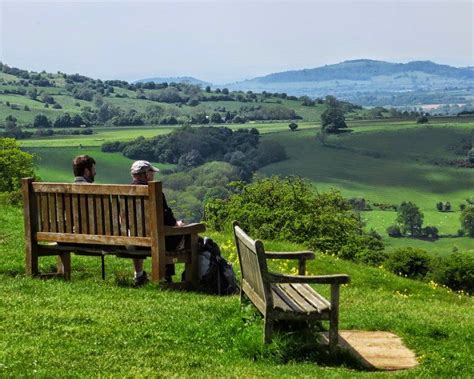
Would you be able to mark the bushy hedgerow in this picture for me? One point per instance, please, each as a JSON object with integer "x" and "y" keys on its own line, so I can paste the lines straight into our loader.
{"x": 410, "y": 262}
{"x": 456, "y": 272}
{"x": 288, "y": 209}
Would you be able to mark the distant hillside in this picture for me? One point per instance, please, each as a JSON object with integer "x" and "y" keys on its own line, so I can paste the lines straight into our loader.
{"x": 371, "y": 82}
{"x": 366, "y": 69}
{"x": 179, "y": 79}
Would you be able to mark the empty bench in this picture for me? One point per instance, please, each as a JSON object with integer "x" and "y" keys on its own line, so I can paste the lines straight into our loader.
{"x": 98, "y": 220}
{"x": 285, "y": 297}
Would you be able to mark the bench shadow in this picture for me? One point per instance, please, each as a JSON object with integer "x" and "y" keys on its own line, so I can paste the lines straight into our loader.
{"x": 302, "y": 342}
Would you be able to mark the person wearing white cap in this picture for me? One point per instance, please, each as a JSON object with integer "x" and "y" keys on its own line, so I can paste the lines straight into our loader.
{"x": 142, "y": 173}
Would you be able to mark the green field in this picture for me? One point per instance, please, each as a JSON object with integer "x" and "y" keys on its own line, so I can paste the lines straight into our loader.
{"x": 399, "y": 162}
{"x": 88, "y": 327}
{"x": 383, "y": 162}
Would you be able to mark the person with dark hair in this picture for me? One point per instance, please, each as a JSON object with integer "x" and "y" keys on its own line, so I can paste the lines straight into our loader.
{"x": 84, "y": 169}
{"x": 143, "y": 172}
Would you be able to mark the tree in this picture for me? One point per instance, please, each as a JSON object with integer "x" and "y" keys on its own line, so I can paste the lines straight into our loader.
{"x": 41, "y": 121}
{"x": 439, "y": 206}
{"x": 422, "y": 119}
{"x": 410, "y": 218}
{"x": 467, "y": 220}
{"x": 216, "y": 118}
{"x": 332, "y": 119}
{"x": 225, "y": 91}
{"x": 208, "y": 89}
{"x": 293, "y": 126}
{"x": 470, "y": 155}
{"x": 14, "y": 165}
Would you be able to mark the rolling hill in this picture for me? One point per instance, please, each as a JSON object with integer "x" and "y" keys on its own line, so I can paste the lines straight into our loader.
{"x": 371, "y": 82}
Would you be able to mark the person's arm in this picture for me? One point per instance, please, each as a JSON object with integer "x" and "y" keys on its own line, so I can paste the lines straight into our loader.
{"x": 169, "y": 219}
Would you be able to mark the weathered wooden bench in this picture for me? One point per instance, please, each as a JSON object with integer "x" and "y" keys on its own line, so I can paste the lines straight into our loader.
{"x": 285, "y": 297}
{"x": 98, "y": 220}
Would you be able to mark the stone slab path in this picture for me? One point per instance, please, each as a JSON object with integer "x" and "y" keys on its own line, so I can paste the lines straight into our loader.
{"x": 378, "y": 350}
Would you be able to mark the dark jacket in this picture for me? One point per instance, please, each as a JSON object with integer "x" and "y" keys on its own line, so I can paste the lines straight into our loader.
{"x": 171, "y": 242}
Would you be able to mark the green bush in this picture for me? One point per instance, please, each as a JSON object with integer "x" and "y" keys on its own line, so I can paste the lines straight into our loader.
{"x": 410, "y": 262}
{"x": 371, "y": 257}
{"x": 289, "y": 210}
{"x": 456, "y": 271}
{"x": 14, "y": 165}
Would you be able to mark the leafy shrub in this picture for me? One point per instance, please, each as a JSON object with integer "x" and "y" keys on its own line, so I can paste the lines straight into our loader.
{"x": 456, "y": 271}
{"x": 371, "y": 257}
{"x": 288, "y": 210}
{"x": 14, "y": 165}
{"x": 410, "y": 262}
{"x": 394, "y": 231}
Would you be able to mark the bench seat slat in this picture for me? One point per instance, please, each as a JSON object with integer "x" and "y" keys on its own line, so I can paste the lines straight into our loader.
{"x": 312, "y": 296}
{"x": 93, "y": 239}
{"x": 298, "y": 298}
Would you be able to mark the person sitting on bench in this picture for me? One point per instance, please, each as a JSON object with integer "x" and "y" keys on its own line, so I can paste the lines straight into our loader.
{"x": 143, "y": 172}
{"x": 84, "y": 169}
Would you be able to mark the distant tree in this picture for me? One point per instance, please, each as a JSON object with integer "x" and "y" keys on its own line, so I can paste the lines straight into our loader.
{"x": 422, "y": 119}
{"x": 467, "y": 220}
{"x": 430, "y": 232}
{"x": 332, "y": 119}
{"x": 26, "y": 108}
{"x": 47, "y": 99}
{"x": 216, "y": 118}
{"x": 208, "y": 89}
{"x": 33, "y": 93}
{"x": 439, "y": 206}
{"x": 462, "y": 206}
{"x": 447, "y": 206}
{"x": 394, "y": 231}
{"x": 410, "y": 218}
{"x": 225, "y": 91}
{"x": 470, "y": 155}
{"x": 293, "y": 126}
{"x": 41, "y": 121}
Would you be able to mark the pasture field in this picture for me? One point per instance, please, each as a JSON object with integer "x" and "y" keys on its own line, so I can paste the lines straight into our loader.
{"x": 89, "y": 327}
{"x": 382, "y": 161}
{"x": 402, "y": 161}
{"x": 108, "y": 134}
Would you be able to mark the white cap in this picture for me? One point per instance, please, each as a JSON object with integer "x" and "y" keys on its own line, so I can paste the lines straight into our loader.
{"x": 139, "y": 167}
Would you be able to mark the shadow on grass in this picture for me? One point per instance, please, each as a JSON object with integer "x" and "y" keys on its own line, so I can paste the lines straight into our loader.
{"x": 295, "y": 342}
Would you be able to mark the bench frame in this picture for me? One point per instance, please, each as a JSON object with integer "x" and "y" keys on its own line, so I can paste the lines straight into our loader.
{"x": 259, "y": 284}
{"x": 98, "y": 220}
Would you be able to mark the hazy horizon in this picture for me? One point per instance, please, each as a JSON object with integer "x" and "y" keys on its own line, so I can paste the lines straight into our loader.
{"x": 228, "y": 41}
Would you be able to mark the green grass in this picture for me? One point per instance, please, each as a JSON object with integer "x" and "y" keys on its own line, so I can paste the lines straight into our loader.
{"x": 89, "y": 327}
{"x": 378, "y": 165}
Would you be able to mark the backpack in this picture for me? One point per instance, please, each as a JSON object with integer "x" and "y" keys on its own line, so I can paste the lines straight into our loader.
{"x": 216, "y": 275}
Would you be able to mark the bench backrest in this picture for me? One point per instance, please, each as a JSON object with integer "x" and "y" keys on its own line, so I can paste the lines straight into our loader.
{"x": 254, "y": 270}
{"x": 93, "y": 213}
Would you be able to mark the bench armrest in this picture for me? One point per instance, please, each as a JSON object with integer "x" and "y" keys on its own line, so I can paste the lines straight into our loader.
{"x": 289, "y": 255}
{"x": 316, "y": 279}
{"x": 183, "y": 230}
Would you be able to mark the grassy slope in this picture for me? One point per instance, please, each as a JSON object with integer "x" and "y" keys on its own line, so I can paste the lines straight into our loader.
{"x": 403, "y": 171}
{"x": 89, "y": 327}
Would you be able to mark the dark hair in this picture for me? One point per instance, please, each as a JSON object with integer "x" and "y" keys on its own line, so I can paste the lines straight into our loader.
{"x": 80, "y": 163}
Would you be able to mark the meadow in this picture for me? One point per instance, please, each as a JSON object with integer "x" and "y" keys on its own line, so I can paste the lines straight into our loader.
{"x": 382, "y": 161}
{"x": 89, "y": 327}
{"x": 388, "y": 163}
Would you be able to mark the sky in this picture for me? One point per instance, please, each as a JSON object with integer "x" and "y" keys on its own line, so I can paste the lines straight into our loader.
{"x": 227, "y": 41}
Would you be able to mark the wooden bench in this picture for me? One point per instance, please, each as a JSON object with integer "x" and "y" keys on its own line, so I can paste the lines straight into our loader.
{"x": 98, "y": 220}
{"x": 285, "y": 297}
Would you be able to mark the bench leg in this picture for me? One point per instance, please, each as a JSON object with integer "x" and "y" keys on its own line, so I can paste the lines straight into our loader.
{"x": 64, "y": 265}
{"x": 334, "y": 320}
{"x": 267, "y": 330}
{"x": 31, "y": 258}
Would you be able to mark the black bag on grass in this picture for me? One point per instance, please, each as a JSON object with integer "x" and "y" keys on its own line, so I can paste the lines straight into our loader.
{"x": 216, "y": 275}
